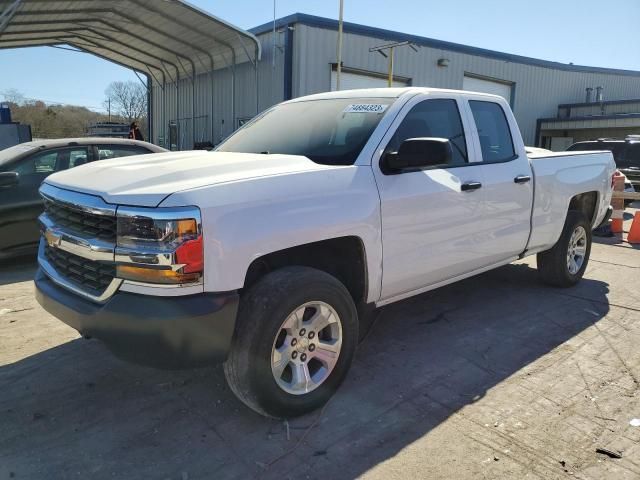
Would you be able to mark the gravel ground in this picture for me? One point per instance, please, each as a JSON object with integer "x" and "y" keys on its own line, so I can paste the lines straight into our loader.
{"x": 494, "y": 377}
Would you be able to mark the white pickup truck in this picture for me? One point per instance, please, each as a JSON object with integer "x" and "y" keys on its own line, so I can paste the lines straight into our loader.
{"x": 269, "y": 253}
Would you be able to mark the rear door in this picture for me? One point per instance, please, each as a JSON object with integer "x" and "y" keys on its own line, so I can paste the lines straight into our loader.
{"x": 508, "y": 180}
{"x": 430, "y": 226}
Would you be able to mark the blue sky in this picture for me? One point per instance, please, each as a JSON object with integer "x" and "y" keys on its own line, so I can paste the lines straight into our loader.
{"x": 585, "y": 32}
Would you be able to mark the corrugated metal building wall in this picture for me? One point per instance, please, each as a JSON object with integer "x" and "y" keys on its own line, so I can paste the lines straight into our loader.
{"x": 216, "y": 116}
{"x": 305, "y": 50}
{"x": 537, "y": 90}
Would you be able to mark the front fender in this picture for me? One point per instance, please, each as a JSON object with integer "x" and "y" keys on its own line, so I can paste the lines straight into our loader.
{"x": 245, "y": 220}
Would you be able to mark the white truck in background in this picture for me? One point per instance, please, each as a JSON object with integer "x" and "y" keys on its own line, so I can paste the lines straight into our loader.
{"x": 268, "y": 253}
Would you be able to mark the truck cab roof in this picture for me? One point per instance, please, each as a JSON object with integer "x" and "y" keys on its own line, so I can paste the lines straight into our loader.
{"x": 396, "y": 92}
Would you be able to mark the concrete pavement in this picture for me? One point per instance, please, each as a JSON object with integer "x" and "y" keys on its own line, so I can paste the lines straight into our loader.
{"x": 494, "y": 377}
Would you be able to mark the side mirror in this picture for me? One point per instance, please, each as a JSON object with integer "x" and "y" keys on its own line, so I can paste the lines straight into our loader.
{"x": 9, "y": 179}
{"x": 416, "y": 153}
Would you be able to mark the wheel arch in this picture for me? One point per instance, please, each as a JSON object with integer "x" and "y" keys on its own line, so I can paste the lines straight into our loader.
{"x": 343, "y": 257}
{"x": 586, "y": 203}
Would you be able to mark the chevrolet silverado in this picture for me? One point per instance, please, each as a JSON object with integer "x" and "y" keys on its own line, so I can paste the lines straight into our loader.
{"x": 269, "y": 253}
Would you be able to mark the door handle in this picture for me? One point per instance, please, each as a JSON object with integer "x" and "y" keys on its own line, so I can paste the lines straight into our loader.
{"x": 522, "y": 179}
{"x": 470, "y": 186}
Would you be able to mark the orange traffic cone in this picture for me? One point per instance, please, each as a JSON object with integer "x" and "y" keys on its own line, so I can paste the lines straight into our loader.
{"x": 634, "y": 233}
{"x": 616, "y": 225}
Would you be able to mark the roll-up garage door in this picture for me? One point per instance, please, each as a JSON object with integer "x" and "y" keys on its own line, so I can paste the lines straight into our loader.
{"x": 350, "y": 81}
{"x": 475, "y": 84}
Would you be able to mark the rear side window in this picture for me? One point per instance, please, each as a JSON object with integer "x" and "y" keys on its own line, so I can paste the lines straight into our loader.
{"x": 115, "y": 151}
{"x": 495, "y": 136}
{"x": 437, "y": 118}
{"x": 78, "y": 157}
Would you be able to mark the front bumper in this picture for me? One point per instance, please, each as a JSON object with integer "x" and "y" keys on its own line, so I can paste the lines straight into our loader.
{"x": 162, "y": 332}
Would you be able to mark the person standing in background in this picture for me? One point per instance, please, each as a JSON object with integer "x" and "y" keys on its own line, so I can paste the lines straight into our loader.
{"x": 134, "y": 132}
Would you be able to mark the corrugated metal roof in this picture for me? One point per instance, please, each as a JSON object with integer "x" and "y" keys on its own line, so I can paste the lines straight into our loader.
{"x": 156, "y": 37}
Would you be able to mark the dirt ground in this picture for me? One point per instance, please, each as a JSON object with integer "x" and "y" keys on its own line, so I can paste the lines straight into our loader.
{"x": 496, "y": 377}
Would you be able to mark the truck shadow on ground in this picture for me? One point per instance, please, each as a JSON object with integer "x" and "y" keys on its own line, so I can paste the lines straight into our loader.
{"x": 75, "y": 410}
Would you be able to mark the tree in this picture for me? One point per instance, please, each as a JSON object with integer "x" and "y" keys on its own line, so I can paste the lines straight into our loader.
{"x": 128, "y": 99}
{"x": 14, "y": 96}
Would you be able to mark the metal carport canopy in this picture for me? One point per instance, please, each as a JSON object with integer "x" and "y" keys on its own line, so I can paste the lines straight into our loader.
{"x": 164, "y": 39}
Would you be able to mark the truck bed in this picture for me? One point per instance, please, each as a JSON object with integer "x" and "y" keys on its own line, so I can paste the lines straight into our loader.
{"x": 558, "y": 175}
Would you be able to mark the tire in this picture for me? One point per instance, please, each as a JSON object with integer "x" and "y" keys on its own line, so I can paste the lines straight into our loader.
{"x": 554, "y": 264}
{"x": 266, "y": 326}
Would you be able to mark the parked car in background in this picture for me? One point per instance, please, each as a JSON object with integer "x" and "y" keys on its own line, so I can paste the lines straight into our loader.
{"x": 626, "y": 154}
{"x": 23, "y": 167}
{"x": 268, "y": 252}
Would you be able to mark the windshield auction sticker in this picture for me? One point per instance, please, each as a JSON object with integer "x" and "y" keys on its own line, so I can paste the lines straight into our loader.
{"x": 365, "y": 108}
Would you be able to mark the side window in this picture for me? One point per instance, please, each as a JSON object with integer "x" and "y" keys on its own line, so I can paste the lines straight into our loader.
{"x": 45, "y": 162}
{"x": 77, "y": 157}
{"x": 115, "y": 151}
{"x": 439, "y": 118}
{"x": 495, "y": 137}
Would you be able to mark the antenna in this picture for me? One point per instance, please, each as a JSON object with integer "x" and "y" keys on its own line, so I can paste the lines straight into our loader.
{"x": 339, "y": 55}
{"x": 391, "y": 48}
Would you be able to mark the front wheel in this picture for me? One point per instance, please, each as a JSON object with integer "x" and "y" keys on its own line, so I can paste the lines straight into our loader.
{"x": 295, "y": 338}
{"x": 565, "y": 263}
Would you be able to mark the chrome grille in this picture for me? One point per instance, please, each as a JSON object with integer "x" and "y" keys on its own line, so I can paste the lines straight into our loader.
{"x": 78, "y": 243}
{"x": 87, "y": 274}
{"x": 81, "y": 222}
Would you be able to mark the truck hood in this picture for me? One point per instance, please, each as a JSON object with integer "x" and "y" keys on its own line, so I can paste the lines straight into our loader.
{"x": 146, "y": 180}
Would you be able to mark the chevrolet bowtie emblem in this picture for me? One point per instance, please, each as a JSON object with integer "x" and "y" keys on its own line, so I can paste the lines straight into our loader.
{"x": 52, "y": 237}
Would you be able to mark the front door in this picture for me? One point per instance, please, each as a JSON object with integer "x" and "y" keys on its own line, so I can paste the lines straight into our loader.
{"x": 20, "y": 205}
{"x": 431, "y": 219}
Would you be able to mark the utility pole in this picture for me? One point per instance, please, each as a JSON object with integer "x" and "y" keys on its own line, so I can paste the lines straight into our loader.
{"x": 339, "y": 55}
{"x": 390, "y": 47}
{"x": 273, "y": 38}
{"x": 109, "y": 108}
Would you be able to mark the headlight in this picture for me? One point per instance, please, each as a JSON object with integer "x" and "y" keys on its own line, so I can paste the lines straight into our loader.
{"x": 151, "y": 233}
{"x": 159, "y": 245}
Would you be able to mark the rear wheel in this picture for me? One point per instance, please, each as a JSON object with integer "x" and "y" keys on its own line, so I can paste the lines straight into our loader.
{"x": 295, "y": 338}
{"x": 565, "y": 263}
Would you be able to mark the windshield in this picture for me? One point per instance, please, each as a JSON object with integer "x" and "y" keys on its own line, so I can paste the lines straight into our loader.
{"x": 331, "y": 132}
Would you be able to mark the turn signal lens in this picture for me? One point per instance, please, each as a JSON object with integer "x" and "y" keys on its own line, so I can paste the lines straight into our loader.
{"x": 152, "y": 275}
{"x": 186, "y": 227}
